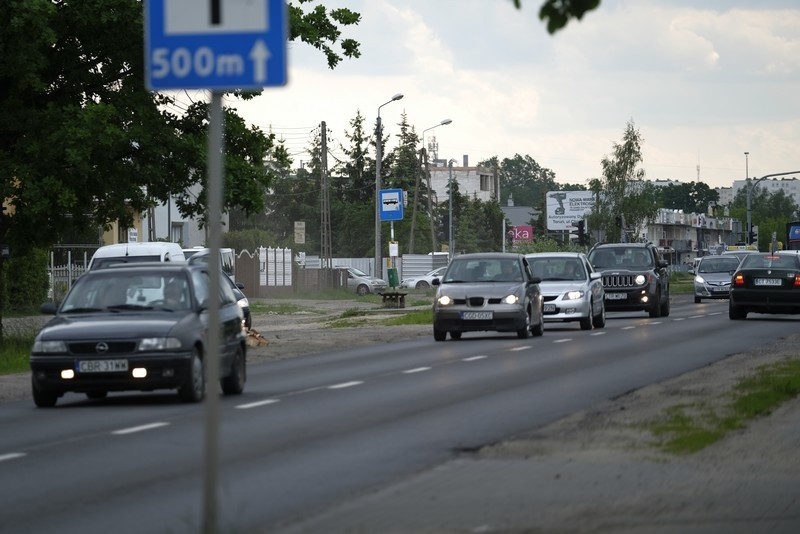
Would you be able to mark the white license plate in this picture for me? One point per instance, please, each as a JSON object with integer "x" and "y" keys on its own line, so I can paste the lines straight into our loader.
{"x": 102, "y": 366}
{"x": 616, "y": 296}
{"x": 719, "y": 289}
{"x": 767, "y": 281}
{"x": 477, "y": 316}
{"x": 549, "y": 308}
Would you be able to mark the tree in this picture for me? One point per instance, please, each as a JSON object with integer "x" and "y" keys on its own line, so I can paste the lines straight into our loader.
{"x": 692, "y": 197}
{"x": 83, "y": 143}
{"x": 557, "y": 13}
{"x": 622, "y": 193}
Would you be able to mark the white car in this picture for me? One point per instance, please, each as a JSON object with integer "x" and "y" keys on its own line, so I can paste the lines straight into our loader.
{"x": 362, "y": 283}
{"x": 572, "y": 289}
{"x": 423, "y": 281}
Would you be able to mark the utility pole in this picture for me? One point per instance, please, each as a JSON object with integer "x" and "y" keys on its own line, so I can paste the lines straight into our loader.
{"x": 326, "y": 254}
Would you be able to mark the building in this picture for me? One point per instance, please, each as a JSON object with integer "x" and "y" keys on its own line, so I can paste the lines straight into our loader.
{"x": 475, "y": 182}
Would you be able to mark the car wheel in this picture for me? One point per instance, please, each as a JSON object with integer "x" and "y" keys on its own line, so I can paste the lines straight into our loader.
{"x": 233, "y": 384}
{"x": 736, "y": 313}
{"x": 599, "y": 320}
{"x": 655, "y": 310}
{"x": 697, "y": 299}
{"x": 586, "y": 322}
{"x": 455, "y": 335}
{"x": 194, "y": 384}
{"x": 538, "y": 329}
{"x": 525, "y": 331}
{"x": 422, "y": 284}
{"x": 362, "y": 290}
{"x": 43, "y": 398}
{"x": 97, "y": 394}
{"x": 665, "y": 307}
{"x": 439, "y": 335}
{"x": 248, "y": 321}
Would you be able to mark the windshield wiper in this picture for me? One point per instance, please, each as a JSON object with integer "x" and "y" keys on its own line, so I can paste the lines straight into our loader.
{"x": 117, "y": 307}
{"x": 82, "y": 310}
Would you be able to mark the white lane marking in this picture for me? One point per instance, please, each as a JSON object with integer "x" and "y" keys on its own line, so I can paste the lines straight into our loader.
{"x": 627, "y": 328}
{"x": 256, "y": 404}
{"x": 11, "y": 456}
{"x": 417, "y": 370}
{"x": 598, "y": 333}
{"x": 141, "y": 428}
{"x": 655, "y": 322}
{"x": 562, "y": 340}
{"x": 696, "y": 316}
{"x": 715, "y": 313}
{"x": 345, "y": 385}
{"x": 679, "y": 318}
{"x": 474, "y": 358}
{"x": 520, "y": 348}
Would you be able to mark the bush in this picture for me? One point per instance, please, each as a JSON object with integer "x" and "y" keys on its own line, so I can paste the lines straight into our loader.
{"x": 25, "y": 281}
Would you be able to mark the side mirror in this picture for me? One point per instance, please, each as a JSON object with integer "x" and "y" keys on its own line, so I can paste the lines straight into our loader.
{"x": 49, "y": 308}
{"x": 594, "y": 275}
{"x": 535, "y": 280}
{"x": 436, "y": 282}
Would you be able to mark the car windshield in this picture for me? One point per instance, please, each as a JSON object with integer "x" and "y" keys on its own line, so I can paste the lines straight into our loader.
{"x": 632, "y": 258}
{"x": 769, "y": 261}
{"x": 718, "y": 265}
{"x": 357, "y": 272}
{"x": 114, "y": 291}
{"x": 555, "y": 269}
{"x": 483, "y": 270}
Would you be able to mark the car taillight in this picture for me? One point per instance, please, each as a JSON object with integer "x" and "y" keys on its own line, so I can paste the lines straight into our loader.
{"x": 797, "y": 280}
{"x": 738, "y": 280}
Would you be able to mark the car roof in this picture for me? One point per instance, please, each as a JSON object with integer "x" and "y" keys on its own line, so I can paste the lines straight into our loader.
{"x": 555, "y": 255}
{"x": 488, "y": 256}
{"x": 628, "y": 245}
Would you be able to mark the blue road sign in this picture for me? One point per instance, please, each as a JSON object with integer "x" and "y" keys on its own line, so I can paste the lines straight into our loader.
{"x": 391, "y": 204}
{"x": 215, "y": 44}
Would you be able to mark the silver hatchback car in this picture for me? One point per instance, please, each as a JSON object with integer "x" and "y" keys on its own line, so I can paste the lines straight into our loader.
{"x": 712, "y": 277}
{"x": 571, "y": 288}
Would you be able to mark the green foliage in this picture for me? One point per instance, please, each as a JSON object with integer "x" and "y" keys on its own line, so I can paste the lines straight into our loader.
{"x": 250, "y": 239}
{"x": 547, "y": 244}
{"x": 557, "y": 13}
{"x": 15, "y": 354}
{"x": 25, "y": 281}
{"x": 692, "y": 197}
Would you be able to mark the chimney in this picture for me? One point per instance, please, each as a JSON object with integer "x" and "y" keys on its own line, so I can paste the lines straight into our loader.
{"x": 466, "y": 160}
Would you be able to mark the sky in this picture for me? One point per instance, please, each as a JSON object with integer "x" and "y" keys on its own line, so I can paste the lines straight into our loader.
{"x": 702, "y": 83}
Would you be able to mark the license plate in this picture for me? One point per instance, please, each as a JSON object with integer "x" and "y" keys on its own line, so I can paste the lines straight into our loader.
{"x": 616, "y": 296}
{"x": 767, "y": 281}
{"x": 549, "y": 308}
{"x": 720, "y": 288}
{"x": 102, "y": 366}
{"x": 477, "y": 316}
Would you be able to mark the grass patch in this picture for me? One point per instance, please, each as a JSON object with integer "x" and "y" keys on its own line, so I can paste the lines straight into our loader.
{"x": 279, "y": 308}
{"x": 411, "y": 318}
{"x": 681, "y": 284}
{"x": 15, "y": 354}
{"x": 688, "y": 428}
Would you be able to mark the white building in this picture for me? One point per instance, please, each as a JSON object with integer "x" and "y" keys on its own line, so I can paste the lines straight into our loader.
{"x": 475, "y": 182}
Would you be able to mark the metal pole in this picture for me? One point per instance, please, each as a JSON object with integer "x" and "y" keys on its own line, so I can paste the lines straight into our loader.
{"x": 378, "y": 157}
{"x": 451, "y": 242}
{"x": 747, "y": 184}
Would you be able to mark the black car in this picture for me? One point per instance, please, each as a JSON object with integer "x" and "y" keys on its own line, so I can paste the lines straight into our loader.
{"x": 634, "y": 277}
{"x": 765, "y": 283}
{"x": 137, "y": 327}
{"x": 487, "y": 292}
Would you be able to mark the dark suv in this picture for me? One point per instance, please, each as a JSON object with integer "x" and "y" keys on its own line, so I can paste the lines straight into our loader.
{"x": 634, "y": 277}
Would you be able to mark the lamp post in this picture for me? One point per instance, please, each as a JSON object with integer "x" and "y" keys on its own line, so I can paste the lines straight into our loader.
{"x": 378, "y": 157}
{"x": 416, "y": 190}
{"x": 749, "y": 193}
{"x": 452, "y": 242}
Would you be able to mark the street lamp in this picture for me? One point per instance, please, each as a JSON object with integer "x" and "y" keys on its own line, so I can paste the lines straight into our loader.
{"x": 378, "y": 157}
{"x": 445, "y": 122}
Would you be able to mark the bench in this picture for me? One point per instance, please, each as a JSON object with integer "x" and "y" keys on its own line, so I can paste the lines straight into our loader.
{"x": 393, "y": 299}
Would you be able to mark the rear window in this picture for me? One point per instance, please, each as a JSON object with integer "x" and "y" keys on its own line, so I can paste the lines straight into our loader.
{"x": 768, "y": 261}
{"x": 102, "y": 263}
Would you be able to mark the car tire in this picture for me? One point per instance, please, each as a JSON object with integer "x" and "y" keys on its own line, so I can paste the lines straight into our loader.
{"x": 736, "y": 313}
{"x": 43, "y": 398}
{"x": 233, "y": 384}
{"x": 362, "y": 290}
{"x": 439, "y": 335}
{"x": 599, "y": 320}
{"x": 525, "y": 331}
{"x": 422, "y": 284}
{"x": 665, "y": 307}
{"x": 194, "y": 385}
{"x": 697, "y": 300}
{"x": 586, "y": 322}
{"x": 455, "y": 335}
{"x": 538, "y": 329}
{"x": 96, "y": 394}
{"x": 655, "y": 310}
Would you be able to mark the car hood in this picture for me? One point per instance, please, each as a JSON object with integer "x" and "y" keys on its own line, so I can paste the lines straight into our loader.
{"x": 109, "y": 326}
{"x": 716, "y": 277}
{"x": 488, "y": 289}
{"x": 560, "y": 287}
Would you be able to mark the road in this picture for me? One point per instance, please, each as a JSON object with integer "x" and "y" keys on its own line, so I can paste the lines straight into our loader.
{"x": 314, "y": 431}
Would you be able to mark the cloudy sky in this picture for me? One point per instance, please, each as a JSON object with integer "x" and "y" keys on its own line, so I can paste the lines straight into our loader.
{"x": 703, "y": 85}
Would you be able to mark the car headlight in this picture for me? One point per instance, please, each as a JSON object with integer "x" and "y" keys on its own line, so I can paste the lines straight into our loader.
{"x": 444, "y": 300}
{"x": 49, "y": 347}
{"x": 699, "y": 279}
{"x": 640, "y": 279}
{"x": 243, "y": 302}
{"x": 159, "y": 343}
{"x": 574, "y": 295}
{"x": 511, "y": 299}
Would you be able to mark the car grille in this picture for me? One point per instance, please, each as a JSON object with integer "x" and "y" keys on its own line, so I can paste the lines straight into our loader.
{"x": 476, "y": 301}
{"x": 619, "y": 280}
{"x": 114, "y": 347}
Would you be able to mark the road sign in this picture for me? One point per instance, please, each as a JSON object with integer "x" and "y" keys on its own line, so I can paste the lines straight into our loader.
{"x": 391, "y": 204}
{"x": 215, "y": 44}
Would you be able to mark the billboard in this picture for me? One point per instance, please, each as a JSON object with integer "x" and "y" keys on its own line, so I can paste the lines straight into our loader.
{"x": 566, "y": 207}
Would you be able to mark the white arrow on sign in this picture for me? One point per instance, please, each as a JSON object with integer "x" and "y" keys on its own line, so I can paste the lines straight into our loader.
{"x": 259, "y": 54}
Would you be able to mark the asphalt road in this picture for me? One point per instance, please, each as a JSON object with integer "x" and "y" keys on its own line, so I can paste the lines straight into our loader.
{"x": 316, "y": 431}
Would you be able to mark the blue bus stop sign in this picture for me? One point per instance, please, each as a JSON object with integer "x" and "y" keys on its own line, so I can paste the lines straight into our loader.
{"x": 391, "y": 204}
{"x": 220, "y": 45}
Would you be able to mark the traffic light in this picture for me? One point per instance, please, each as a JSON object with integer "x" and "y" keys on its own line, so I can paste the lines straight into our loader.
{"x": 583, "y": 237}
